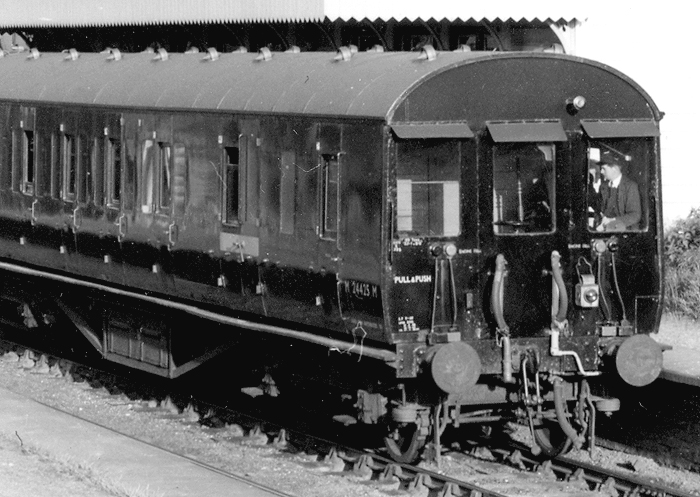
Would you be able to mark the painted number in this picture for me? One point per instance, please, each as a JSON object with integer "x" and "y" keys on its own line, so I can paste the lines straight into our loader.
{"x": 406, "y": 323}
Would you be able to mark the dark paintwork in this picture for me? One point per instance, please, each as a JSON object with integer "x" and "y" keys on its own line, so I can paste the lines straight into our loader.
{"x": 309, "y": 105}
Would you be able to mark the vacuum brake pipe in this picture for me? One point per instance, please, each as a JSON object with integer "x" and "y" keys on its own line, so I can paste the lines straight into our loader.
{"x": 560, "y": 410}
{"x": 560, "y": 305}
{"x": 497, "y": 308}
{"x": 340, "y": 345}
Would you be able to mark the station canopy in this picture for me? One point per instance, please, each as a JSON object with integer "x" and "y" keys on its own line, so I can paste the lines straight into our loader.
{"x": 81, "y": 13}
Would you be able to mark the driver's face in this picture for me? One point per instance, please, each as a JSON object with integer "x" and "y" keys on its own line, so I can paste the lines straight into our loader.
{"x": 607, "y": 172}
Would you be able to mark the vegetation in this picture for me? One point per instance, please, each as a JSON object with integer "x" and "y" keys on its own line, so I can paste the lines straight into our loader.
{"x": 682, "y": 259}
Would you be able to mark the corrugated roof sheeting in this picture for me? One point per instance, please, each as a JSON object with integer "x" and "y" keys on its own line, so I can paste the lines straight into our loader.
{"x": 453, "y": 10}
{"x": 64, "y": 13}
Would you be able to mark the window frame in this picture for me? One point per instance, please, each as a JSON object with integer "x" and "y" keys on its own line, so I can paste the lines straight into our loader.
{"x": 550, "y": 190}
{"x": 114, "y": 169}
{"x": 165, "y": 171}
{"x": 56, "y": 167}
{"x": 28, "y": 162}
{"x": 405, "y": 188}
{"x": 70, "y": 158}
{"x": 329, "y": 208}
{"x": 231, "y": 211}
{"x": 84, "y": 176}
{"x": 645, "y": 169}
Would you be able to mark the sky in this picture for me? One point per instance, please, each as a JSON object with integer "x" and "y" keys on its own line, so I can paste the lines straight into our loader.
{"x": 650, "y": 43}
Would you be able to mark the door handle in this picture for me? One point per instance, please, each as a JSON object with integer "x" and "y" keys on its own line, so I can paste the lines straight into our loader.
{"x": 77, "y": 218}
{"x": 172, "y": 234}
{"x": 33, "y": 210}
{"x": 121, "y": 226}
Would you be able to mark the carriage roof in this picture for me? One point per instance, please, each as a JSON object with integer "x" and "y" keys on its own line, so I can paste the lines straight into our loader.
{"x": 368, "y": 85}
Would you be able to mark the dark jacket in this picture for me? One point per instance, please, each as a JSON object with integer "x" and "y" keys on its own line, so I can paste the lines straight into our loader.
{"x": 627, "y": 208}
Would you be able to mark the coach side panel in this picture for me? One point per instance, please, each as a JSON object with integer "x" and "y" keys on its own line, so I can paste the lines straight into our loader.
{"x": 260, "y": 215}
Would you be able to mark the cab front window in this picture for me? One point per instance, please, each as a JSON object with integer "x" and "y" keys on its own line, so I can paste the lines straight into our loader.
{"x": 617, "y": 178}
{"x": 427, "y": 188}
{"x": 523, "y": 188}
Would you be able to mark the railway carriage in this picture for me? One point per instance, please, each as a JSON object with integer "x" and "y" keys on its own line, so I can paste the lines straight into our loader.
{"x": 428, "y": 214}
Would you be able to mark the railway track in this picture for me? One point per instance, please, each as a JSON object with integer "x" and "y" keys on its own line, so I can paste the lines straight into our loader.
{"x": 496, "y": 471}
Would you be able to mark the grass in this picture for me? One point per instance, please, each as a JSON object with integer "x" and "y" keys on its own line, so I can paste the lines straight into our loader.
{"x": 682, "y": 262}
{"x": 682, "y": 285}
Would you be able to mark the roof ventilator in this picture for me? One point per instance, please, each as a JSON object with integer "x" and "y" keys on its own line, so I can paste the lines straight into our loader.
{"x": 293, "y": 49}
{"x": 71, "y": 54}
{"x": 192, "y": 50}
{"x": 34, "y": 54}
{"x": 161, "y": 54}
{"x": 376, "y": 48}
{"x": 240, "y": 49}
{"x": 346, "y": 53}
{"x": 114, "y": 54}
{"x": 463, "y": 48}
{"x": 212, "y": 54}
{"x": 264, "y": 54}
{"x": 427, "y": 53}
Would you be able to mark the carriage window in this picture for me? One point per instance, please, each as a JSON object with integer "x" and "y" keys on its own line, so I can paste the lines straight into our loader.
{"x": 166, "y": 175}
{"x": 15, "y": 151}
{"x": 28, "y": 163}
{"x": 523, "y": 188}
{"x": 427, "y": 189}
{"x": 232, "y": 184}
{"x": 114, "y": 171}
{"x": 70, "y": 166}
{"x": 330, "y": 169}
{"x": 617, "y": 178}
{"x": 84, "y": 171}
{"x": 147, "y": 176}
{"x": 56, "y": 167}
{"x": 96, "y": 184}
{"x": 6, "y": 160}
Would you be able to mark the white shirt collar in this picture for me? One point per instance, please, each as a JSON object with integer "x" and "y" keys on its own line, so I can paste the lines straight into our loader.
{"x": 616, "y": 182}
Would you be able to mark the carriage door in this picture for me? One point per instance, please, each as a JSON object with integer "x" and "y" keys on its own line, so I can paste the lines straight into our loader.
{"x": 526, "y": 220}
{"x": 240, "y": 213}
{"x": 360, "y": 235}
{"x": 25, "y": 163}
{"x": 160, "y": 191}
